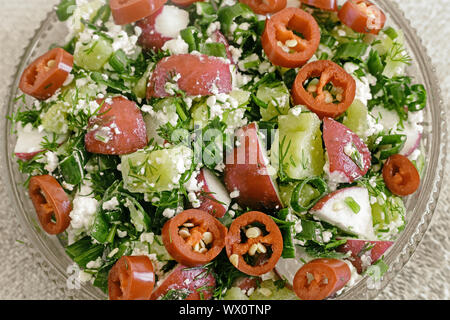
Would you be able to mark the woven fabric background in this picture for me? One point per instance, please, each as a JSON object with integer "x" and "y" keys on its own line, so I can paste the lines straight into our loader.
{"x": 426, "y": 275}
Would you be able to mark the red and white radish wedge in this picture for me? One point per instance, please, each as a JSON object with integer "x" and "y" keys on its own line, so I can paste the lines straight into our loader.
{"x": 348, "y": 156}
{"x": 191, "y": 284}
{"x": 195, "y": 74}
{"x": 413, "y": 138}
{"x": 348, "y": 209}
{"x": 162, "y": 26}
{"x": 218, "y": 37}
{"x": 118, "y": 129}
{"x": 247, "y": 174}
{"x": 287, "y": 268}
{"x": 29, "y": 141}
{"x": 364, "y": 253}
{"x": 213, "y": 197}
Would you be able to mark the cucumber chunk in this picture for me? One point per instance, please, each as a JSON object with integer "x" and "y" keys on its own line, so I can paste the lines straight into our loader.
{"x": 140, "y": 88}
{"x": 235, "y": 293}
{"x": 93, "y": 55}
{"x": 276, "y": 97}
{"x": 297, "y": 148}
{"x": 55, "y": 119}
{"x": 157, "y": 247}
{"x": 155, "y": 171}
{"x": 356, "y": 118}
{"x": 388, "y": 215}
{"x": 269, "y": 291}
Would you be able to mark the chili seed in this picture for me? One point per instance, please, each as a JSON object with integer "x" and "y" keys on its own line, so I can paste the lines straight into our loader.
{"x": 234, "y": 259}
{"x": 207, "y": 237}
{"x": 184, "y": 233}
{"x": 253, "y": 232}
{"x": 253, "y": 249}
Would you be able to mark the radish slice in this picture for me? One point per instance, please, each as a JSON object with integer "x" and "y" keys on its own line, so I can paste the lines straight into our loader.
{"x": 247, "y": 175}
{"x": 29, "y": 141}
{"x": 348, "y": 209}
{"x": 213, "y": 198}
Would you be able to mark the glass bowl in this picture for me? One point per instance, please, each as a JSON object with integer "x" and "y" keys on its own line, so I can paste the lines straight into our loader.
{"x": 420, "y": 206}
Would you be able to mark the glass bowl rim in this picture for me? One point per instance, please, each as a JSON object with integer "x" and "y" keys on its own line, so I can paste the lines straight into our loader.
{"x": 360, "y": 290}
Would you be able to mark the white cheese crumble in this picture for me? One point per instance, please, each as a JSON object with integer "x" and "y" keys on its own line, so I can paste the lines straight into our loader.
{"x": 171, "y": 21}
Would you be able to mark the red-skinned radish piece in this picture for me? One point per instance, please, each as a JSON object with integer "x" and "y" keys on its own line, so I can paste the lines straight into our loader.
{"x": 29, "y": 141}
{"x": 118, "y": 129}
{"x": 364, "y": 253}
{"x": 348, "y": 156}
{"x": 162, "y": 26}
{"x": 413, "y": 139}
{"x": 195, "y": 74}
{"x": 213, "y": 196}
{"x": 218, "y": 37}
{"x": 150, "y": 38}
{"x": 348, "y": 209}
{"x": 247, "y": 173}
{"x": 186, "y": 284}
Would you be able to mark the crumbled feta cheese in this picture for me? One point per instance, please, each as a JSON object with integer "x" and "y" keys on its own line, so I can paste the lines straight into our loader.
{"x": 171, "y": 21}
{"x": 110, "y": 205}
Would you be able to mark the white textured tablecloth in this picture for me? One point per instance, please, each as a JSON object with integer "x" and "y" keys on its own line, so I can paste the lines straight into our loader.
{"x": 426, "y": 275}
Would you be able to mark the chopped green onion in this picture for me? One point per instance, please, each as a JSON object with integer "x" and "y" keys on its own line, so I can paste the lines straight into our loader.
{"x": 391, "y": 33}
{"x": 374, "y": 63}
{"x": 307, "y": 193}
{"x": 214, "y": 49}
{"x": 352, "y": 204}
{"x": 65, "y": 9}
{"x": 351, "y": 50}
{"x": 119, "y": 61}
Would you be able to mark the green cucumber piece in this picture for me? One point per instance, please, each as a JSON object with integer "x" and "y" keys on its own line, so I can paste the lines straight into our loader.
{"x": 356, "y": 118}
{"x": 269, "y": 291}
{"x": 276, "y": 99}
{"x": 93, "y": 56}
{"x": 155, "y": 171}
{"x": 235, "y": 293}
{"x": 297, "y": 150}
{"x": 55, "y": 119}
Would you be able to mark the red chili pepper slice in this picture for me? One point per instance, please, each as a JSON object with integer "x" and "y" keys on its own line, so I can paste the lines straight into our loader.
{"x": 362, "y": 16}
{"x": 330, "y": 5}
{"x": 321, "y": 278}
{"x": 400, "y": 175}
{"x": 51, "y": 203}
{"x": 285, "y": 48}
{"x": 128, "y": 11}
{"x": 194, "y": 237}
{"x": 46, "y": 74}
{"x": 265, "y": 6}
{"x": 317, "y": 99}
{"x": 131, "y": 278}
{"x": 254, "y": 237}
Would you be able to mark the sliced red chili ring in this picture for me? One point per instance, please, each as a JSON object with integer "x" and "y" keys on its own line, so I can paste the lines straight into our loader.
{"x": 51, "y": 203}
{"x": 46, "y": 74}
{"x": 400, "y": 175}
{"x": 323, "y": 103}
{"x": 265, "y": 6}
{"x": 362, "y": 16}
{"x": 131, "y": 278}
{"x": 281, "y": 40}
{"x": 254, "y": 236}
{"x": 194, "y": 237}
{"x": 321, "y": 278}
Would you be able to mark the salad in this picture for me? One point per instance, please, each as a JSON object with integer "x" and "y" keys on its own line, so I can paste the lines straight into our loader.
{"x": 222, "y": 149}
